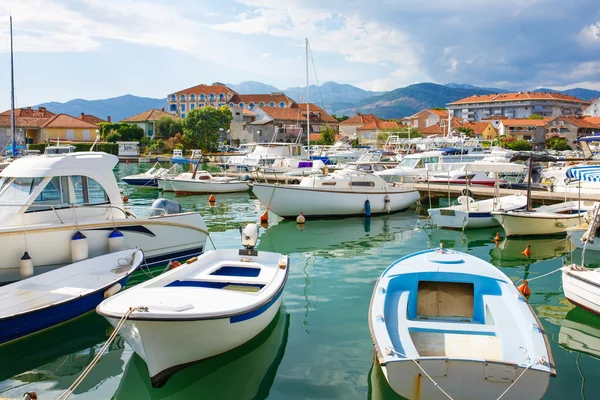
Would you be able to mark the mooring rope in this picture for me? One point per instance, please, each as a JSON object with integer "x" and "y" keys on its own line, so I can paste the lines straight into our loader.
{"x": 67, "y": 393}
{"x": 538, "y": 361}
{"x": 541, "y": 276}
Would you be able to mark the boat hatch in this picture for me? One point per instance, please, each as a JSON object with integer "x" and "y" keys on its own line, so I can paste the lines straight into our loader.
{"x": 236, "y": 271}
{"x": 443, "y": 300}
{"x": 236, "y": 286}
{"x": 448, "y": 213}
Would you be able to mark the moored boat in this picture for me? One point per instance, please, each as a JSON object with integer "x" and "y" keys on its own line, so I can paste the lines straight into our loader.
{"x": 448, "y": 325}
{"x": 201, "y": 309}
{"x": 43, "y": 301}
{"x": 148, "y": 179}
{"x": 341, "y": 193}
{"x": 200, "y": 182}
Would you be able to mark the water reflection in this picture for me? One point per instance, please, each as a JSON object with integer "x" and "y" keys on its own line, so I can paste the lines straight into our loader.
{"x": 346, "y": 238}
{"x": 379, "y": 388}
{"x": 469, "y": 239}
{"x": 509, "y": 252}
{"x": 57, "y": 356}
{"x": 580, "y": 331}
{"x": 246, "y": 372}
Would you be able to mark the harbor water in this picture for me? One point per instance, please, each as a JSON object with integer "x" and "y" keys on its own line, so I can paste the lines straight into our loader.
{"x": 319, "y": 346}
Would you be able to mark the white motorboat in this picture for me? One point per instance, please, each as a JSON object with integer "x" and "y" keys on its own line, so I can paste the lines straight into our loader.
{"x": 43, "y": 301}
{"x": 477, "y": 214}
{"x": 545, "y": 220}
{"x": 457, "y": 174}
{"x": 341, "y": 193}
{"x": 204, "y": 308}
{"x": 293, "y": 167}
{"x": 204, "y": 182}
{"x": 265, "y": 155}
{"x": 583, "y": 178}
{"x": 449, "y": 325}
{"x": 148, "y": 179}
{"x": 47, "y": 201}
{"x": 413, "y": 167}
{"x": 163, "y": 180}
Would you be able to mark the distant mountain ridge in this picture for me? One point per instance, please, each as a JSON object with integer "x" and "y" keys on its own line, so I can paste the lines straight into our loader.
{"x": 336, "y": 98}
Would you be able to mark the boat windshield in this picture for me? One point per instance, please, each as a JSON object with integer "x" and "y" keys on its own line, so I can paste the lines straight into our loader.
{"x": 16, "y": 191}
{"x": 409, "y": 162}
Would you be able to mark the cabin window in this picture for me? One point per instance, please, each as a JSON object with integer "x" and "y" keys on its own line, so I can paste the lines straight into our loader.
{"x": 16, "y": 191}
{"x": 364, "y": 184}
{"x": 88, "y": 191}
{"x": 445, "y": 300}
{"x": 56, "y": 193}
{"x": 328, "y": 183}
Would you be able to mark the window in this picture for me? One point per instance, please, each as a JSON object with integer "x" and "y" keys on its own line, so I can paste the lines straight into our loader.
{"x": 182, "y": 115}
{"x": 96, "y": 193}
{"x": 191, "y": 106}
{"x": 55, "y": 194}
{"x": 221, "y": 104}
{"x": 173, "y": 107}
{"x": 211, "y": 97}
{"x": 173, "y": 98}
{"x": 241, "y": 105}
{"x": 282, "y": 104}
{"x": 182, "y": 97}
{"x": 221, "y": 96}
{"x": 201, "y": 105}
{"x": 364, "y": 184}
{"x": 271, "y": 104}
{"x": 328, "y": 183}
{"x": 250, "y": 106}
{"x": 86, "y": 134}
{"x": 202, "y": 96}
{"x": 262, "y": 104}
{"x": 70, "y": 134}
{"x": 16, "y": 191}
{"x": 230, "y": 104}
{"x": 192, "y": 97}
{"x": 183, "y": 107}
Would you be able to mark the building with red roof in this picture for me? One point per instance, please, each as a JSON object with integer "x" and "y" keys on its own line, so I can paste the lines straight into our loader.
{"x": 516, "y": 105}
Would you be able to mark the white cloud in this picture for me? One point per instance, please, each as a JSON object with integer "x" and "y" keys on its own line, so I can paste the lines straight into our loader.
{"x": 590, "y": 35}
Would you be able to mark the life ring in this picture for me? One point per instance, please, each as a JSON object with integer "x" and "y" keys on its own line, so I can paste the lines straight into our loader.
{"x": 466, "y": 192}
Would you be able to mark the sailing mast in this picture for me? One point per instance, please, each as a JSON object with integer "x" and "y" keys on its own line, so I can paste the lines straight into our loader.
{"x": 12, "y": 96}
{"x": 307, "y": 102}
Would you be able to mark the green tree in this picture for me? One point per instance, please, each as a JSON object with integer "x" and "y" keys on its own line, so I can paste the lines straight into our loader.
{"x": 340, "y": 119}
{"x": 519, "y": 145}
{"x": 557, "y": 143}
{"x": 120, "y": 131}
{"x": 167, "y": 127}
{"x": 439, "y": 109}
{"x": 201, "y": 127}
{"x": 467, "y": 131}
{"x": 328, "y": 136}
{"x": 535, "y": 116}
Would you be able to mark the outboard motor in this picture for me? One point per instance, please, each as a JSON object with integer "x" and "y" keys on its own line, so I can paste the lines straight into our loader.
{"x": 249, "y": 236}
{"x": 165, "y": 207}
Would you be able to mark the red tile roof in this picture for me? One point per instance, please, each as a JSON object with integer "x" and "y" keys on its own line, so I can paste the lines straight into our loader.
{"x": 215, "y": 89}
{"x": 493, "y": 98}
{"x": 524, "y": 122}
{"x": 479, "y": 127}
{"x": 41, "y": 112}
{"x": 360, "y": 119}
{"x": 261, "y": 98}
{"x": 437, "y": 129}
{"x": 92, "y": 119}
{"x": 317, "y": 136}
{"x": 378, "y": 125}
{"x": 150, "y": 115}
{"x": 67, "y": 122}
{"x": 316, "y": 109}
{"x": 26, "y": 117}
{"x": 579, "y": 122}
{"x": 593, "y": 120}
{"x": 440, "y": 113}
{"x": 298, "y": 113}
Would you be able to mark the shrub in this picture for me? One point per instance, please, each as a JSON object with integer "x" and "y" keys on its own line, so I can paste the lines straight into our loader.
{"x": 557, "y": 143}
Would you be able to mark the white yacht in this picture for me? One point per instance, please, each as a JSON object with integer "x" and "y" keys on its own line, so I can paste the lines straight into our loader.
{"x": 412, "y": 168}
{"x": 341, "y": 193}
{"x": 265, "y": 155}
{"x": 63, "y": 207}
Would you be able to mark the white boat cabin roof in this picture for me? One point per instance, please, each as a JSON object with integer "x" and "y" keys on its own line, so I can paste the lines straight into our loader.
{"x": 85, "y": 163}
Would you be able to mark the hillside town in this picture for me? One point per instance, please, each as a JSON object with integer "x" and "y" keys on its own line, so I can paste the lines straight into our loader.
{"x": 259, "y": 118}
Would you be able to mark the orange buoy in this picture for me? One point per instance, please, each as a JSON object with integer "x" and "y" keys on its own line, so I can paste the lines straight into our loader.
{"x": 125, "y": 199}
{"x": 264, "y": 224}
{"x": 174, "y": 264}
{"x": 527, "y": 251}
{"x": 211, "y": 198}
{"x": 497, "y": 238}
{"x": 524, "y": 288}
{"x": 265, "y": 216}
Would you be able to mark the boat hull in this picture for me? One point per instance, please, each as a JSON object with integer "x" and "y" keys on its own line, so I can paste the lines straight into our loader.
{"x": 165, "y": 185}
{"x": 194, "y": 340}
{"x": 290, "y": 201}
{"x": 462, "y": 219}
{"x": 484, "y": 380}
{"x": 575, "y": 236}
{"x": 35, "y": 321}
{"x": 196, "y": 187}
{"x": 163, "y": 238}
{"x": 525, "y": 224}
{"x": 582, "y": 289}
{"x": 145, "y": 182}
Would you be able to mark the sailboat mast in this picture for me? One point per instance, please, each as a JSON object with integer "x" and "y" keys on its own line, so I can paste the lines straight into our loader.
{"x": 307, "y": 101}
{"x": 12, "y": 96}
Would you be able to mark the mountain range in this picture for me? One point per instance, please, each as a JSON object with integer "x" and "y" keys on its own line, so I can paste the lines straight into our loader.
{"x": 336, "y": 98}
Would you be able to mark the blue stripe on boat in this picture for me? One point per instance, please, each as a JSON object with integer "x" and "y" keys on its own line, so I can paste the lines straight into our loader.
{"x": 457, "y": 332}
{"x": 257, "y": 312}
{"x": 12, "y": 328}
{"x": 237, "y": 271}
{"x": 211, "y": 285}
{"x": 480, "y": 215}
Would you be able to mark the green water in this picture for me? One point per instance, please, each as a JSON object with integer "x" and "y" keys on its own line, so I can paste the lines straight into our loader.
{"x": 319, "y": 347}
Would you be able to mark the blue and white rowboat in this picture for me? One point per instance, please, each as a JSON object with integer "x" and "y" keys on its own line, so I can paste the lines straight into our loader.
{"x": 43, "y": 301}
{"x": 199, "y": 310}
{"x": 450, "y": 318}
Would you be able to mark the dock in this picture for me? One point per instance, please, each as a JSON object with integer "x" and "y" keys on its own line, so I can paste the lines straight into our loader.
{"x": 437, "y": 190}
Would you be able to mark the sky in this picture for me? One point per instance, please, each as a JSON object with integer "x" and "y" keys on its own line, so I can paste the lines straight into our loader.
{"x": 94, "y": 49}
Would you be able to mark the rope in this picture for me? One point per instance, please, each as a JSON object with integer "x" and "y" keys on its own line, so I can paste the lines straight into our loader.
{"x": 390, "y": 351}
{"x": 541, "y": 276}
{"x": 519, "y": 377}
{"x": 67, "y": 393}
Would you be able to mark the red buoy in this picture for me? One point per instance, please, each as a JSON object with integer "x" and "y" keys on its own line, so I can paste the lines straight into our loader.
{"x": 497, "y": 238}
{"x": 211, "y": 198}
{"x": 527, "y": 251}
{"x": 125, "y": 199}
{"x": 265, "y": 216}
{"x": 524, "y": 288}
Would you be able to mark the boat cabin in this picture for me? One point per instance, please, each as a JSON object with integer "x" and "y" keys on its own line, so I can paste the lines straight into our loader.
{"x": 59, "y": 188}
{"x": 60, "y": 149}
{"x": 420, "y": 160}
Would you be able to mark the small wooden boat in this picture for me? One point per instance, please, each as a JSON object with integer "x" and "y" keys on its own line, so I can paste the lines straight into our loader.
{"x": 203, "y": 182}
{"x": 451, "y": 318}
{"x": 54, "y": 297}
{"x": 204, "y": 308}
{"x": 545, "y": 220}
